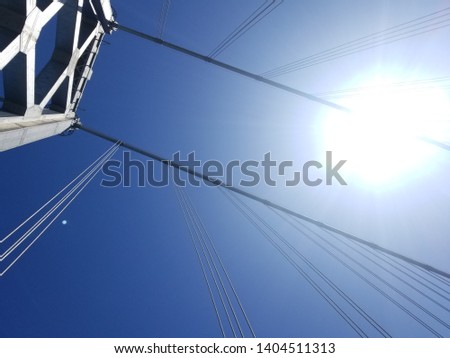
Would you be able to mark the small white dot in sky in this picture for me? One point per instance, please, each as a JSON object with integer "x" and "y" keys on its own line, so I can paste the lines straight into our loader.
{"x": 64, "y": 222}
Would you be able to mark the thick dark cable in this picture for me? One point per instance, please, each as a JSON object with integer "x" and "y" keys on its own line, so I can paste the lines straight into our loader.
{"x": 436, "y": 144}
{"x": 398, "y": 277}
{"x": 358, "y": 274}
{"x": 256, "y": 77}
{"x": 344, "y": 242}
{"x": 220, "y": 183}
{"x": 395, "y": 289}
{"x": 417, "y": 274}
{"x": 440, "y": 278}
{"x": 379, "y": 257}
{"x": 392, "y": 287}
{"x": 308, "y": 279}
{"x": 232, "y": 68}
{"x": 349, "y": 300}
{"x": 319, "y": 273}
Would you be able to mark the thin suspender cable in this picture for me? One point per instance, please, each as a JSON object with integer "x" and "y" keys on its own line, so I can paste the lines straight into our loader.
{"x": 53, "y": 198}
{"x": 406, "y": 297}
{"x": 221, "y": 46}
{"x": 440, "y": 278}
{"x": 60, "y": 202}
{"x": 197, "y": 221}
{"x": 349, "y": 300}
{"x": 414, "y": 272}
{"x": 222, "y": 266}
{"x": 36, "y": 225}
{"x": 211, "y": 295}
{"x": 330, "y": 283}
{"x": 194, "y": 238}
{"x": 211, "y": 264}
{"x": 406, "y": 283}
{"x": 382, "y": 280}
{"x": 211, "y": 243}
{"x": 14, "y": 246}
{"x": 53, "y": 220}
{"x": 361, "y": 38}
{"x": 357, "y": 42}
{"x": 361, "y": 48}
{"x": 358, "y": 274}
{"x": 378, "y": 256}
{"x": 254, "y": 18}
{"x": 165, "y": 7}
{"x": 308, "y": 279}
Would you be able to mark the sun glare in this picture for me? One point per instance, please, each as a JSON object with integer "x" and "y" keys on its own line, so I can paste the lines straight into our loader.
{"x": 380, "y": 139}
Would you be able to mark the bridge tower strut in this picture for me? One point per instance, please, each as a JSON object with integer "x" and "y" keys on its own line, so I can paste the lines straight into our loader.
{"x": 40, "y": 105}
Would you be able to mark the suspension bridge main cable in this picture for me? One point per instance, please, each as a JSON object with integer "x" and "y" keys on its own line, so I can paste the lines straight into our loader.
{"x": 357, "y": 273}
{"x": 243, "y": 208}
{"x": 379, "y": 257}
{"x": 231, "y": 68}
{"x": 218, "y": 182}
{"x": 417, "y": 271}
{"x": 256, "y": 77}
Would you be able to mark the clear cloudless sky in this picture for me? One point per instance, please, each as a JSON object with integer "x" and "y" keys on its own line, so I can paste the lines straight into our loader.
{"x": 123, "y": 265}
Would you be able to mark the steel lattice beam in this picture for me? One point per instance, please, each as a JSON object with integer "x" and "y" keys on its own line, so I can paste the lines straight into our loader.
{"x": 39, "y": 105}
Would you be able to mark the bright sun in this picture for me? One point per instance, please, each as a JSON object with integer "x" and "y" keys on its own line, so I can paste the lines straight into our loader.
{"x": 379, "y": 139}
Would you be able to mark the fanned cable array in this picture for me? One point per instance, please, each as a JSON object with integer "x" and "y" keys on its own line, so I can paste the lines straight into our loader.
{"x": 231, "y": 316}
{"x": 16, "y": 244}
{"x": 254, "y": 18}
{"x": 418, "y": 26}
{"x": 413, "y": 293}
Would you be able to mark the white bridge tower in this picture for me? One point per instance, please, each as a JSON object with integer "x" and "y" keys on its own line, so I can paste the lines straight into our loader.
{"x": 39, "y": 105}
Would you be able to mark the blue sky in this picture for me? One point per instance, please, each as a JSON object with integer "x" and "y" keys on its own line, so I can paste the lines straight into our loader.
{"x": 123, "y": 266}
